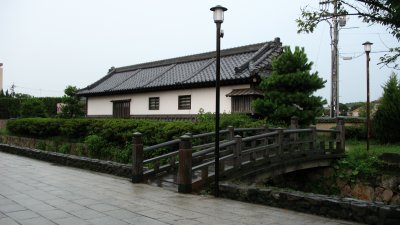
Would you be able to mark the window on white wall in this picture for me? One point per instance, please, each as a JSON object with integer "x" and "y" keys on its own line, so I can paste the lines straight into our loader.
{"x": 154, "y": 103}
{"x": 184, "y": 102}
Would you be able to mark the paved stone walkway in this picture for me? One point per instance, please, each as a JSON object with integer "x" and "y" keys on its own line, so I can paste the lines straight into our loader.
{"x": 36, "y": 192}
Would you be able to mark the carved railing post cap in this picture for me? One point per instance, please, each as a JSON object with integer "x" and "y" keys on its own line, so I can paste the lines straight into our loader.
{"x": 136, "y": 134}
{"x": 185, "y": 137}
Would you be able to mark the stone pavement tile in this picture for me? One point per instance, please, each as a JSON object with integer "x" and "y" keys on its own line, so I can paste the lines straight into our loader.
{"x": 57, "y": 202}
{"x": 22, "y": 215}
{"x": 107, "y": 221}
{"x": 185, "y": 222}
{"x": 131, "y": 206}
{"x": 37, "y": 221}
{"x": 40, "y": 207}
{"x": 214, "y": 220}
{"x": 6, "y": 201}
{"x": 144, "y": 220}
{"x": 70, "y": 207}
{"x": 13, "y": 207}
{"x": 121, "y": 214}
{"x": 102, "y": 207}
{"x": 40, "y": 195}
{"x": 71, "y": 221}
{"x": 87, "y": 214}
{"x": 155, "y": 214}
{"x": 8, "y": 221}
{"x": 24, "y": 199}
{"x": 85, "y": 201}
{"x": 54, "y": 214}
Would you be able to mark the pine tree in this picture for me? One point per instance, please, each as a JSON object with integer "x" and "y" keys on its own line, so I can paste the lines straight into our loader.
{"x": 288, "y": 91}
{"x": 72, "y": 106}
{"x": 386, "y": 120}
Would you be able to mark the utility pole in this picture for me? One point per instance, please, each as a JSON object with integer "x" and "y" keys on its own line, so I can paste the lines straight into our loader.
{"x": 335, "y": 68}
{"x": 334, "y": 33}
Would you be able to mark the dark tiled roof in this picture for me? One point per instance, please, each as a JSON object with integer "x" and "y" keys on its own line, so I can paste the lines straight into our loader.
{"x": 237, "y": 66}
{"x": 244, "y": 92}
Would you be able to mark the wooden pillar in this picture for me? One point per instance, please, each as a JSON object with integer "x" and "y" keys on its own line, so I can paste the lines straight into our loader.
{"x": 137, "y": 158}
{"x": 340, "y": 137}
{"x": 237, "y": 152}
{"x": 185, "y": 165}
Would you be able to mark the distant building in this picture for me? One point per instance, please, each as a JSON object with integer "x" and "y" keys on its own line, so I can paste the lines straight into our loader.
{"x": 181, "y": 87}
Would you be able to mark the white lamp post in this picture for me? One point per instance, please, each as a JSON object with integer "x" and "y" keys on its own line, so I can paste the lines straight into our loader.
{"x": 367, "y": 49}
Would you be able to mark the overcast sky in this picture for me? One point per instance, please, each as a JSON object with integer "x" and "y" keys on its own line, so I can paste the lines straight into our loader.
{"x": 46, "y": 45}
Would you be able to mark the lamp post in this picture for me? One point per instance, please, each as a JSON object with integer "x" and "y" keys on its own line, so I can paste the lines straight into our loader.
{"x": 367, "y": 48}
{"x": 218, "y": 19}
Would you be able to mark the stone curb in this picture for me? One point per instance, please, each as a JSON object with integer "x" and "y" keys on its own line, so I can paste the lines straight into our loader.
{"x": 102, "y": 166}
{"x": 329, "y": 206}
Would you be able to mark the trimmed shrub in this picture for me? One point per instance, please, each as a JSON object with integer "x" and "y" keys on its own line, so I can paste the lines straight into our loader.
{"x": 95, "y": 145}
{"x": 356, "y": 132}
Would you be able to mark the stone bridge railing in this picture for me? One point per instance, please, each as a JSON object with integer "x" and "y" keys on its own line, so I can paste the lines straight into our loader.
{"x": 192, "y": 156}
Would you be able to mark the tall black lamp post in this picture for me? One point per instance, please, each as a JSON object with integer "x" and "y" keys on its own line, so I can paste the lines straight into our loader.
{"x": 367, "y": 48}
{"x": 218, "y": 19}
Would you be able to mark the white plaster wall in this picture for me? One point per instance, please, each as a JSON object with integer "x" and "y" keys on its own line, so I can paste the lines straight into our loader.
{"x": 201, "y": 98}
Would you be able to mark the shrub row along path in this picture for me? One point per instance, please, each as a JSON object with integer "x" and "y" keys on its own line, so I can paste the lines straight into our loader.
{"x": 36, "y": 192}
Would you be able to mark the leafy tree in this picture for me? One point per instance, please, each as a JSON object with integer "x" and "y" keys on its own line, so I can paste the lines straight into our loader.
{"x": 387, "y": 120}
{"x": 288, "y": 90}
{"x": 343, "y": 109}
{"x": 32, "y": 107}
{"x": 72, "y": 105}
{"x": 384, "y": 12}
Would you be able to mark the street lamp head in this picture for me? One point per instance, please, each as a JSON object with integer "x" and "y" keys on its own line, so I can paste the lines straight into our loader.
{"x": 218, "y": 13}
{"x": 367, "y": 46}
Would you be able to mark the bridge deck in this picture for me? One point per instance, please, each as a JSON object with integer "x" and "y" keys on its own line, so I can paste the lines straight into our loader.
{"x": 36, "y": 192}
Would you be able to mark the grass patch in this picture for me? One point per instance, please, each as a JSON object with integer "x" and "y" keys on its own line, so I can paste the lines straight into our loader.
{"x": 362, "y": 165}
{"x": 3, "y": 131}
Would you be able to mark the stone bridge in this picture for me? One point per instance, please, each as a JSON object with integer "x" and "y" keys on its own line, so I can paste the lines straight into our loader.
{"x": 257, "y": 152}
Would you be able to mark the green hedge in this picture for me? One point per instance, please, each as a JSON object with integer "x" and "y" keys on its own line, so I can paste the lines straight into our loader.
{"x": 9, "y": 107}
{"x": 346, "y": 120}
{"x": 120, "y": 131}
{"x": 12, "y": 107}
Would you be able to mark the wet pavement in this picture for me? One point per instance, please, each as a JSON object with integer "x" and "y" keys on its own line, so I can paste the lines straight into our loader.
{"x": 36, "y": 192}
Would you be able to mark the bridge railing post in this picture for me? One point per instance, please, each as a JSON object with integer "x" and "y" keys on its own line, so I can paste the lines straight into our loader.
{"x": 185, "y": 165}
{"x": 230, "y": 137}
{"x": 231, "y": 133}
{"x": 265, "y": 140}
{"x": 279, "y": 141}
{"x": 313, "y": 139}
{"x": 237, "y": 152}
{"x": 294, "y": 124}
{"x": 340, "y": 137}
{"x": 137, "y": 158}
